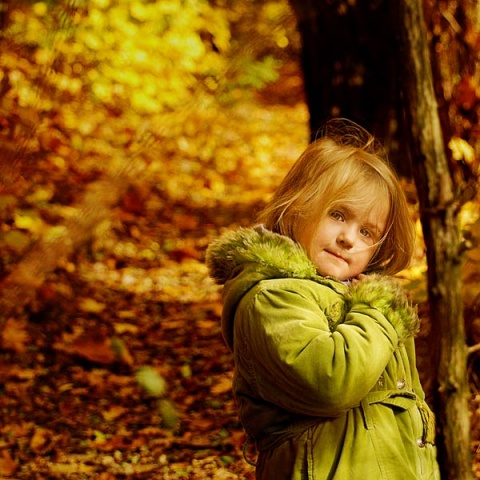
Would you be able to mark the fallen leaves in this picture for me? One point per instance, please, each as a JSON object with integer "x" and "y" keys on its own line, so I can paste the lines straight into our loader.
{"x": 8, "y": 466}
{"x": 15, "y": 335}
{"x": 40, "y": 440}
{"x": 97, "y": 350}
{"x": 153, "y": 383}
{"x": 222, "y": 385}
{"x": 90, "y": 305}
{"x": 113, "y": 412}
{"x": 89, "y": 413}
{"x": 171, "y": 282}
{"x": 96, "y": 346}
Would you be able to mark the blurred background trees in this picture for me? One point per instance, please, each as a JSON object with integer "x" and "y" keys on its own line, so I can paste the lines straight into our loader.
{"x": 105, "y": 102}
{"x": 155, "y": 96}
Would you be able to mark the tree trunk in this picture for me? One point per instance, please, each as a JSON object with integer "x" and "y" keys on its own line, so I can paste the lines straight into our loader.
{"x": 3, "y": 14}
{"x": 349, "y": 70}
{"x": 439, "y": 209}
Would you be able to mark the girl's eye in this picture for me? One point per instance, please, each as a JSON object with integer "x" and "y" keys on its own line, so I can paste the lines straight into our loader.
{"x": 337, "y": 215}
{"x": 365, "y": 232}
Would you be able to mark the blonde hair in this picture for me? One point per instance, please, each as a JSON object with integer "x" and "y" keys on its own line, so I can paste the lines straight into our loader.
{"x": 347, "y": 166}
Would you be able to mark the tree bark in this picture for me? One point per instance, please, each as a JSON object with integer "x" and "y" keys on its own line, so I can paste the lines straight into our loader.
{"x": 349, "y": 70}
{"x": 439, "y": 209}
{"x": 3, "y": 14}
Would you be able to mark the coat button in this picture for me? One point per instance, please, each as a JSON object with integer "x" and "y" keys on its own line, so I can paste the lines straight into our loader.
{"x": 401, "y": 383}
{"x": 420, "y": 443}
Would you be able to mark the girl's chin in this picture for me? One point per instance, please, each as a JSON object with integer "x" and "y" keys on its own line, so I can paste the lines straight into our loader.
{"x": 342, "y": 274}
{"x": 333, "y": 272}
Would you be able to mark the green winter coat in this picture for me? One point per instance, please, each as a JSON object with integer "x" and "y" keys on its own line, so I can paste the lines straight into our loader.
{"x": 325, "y": 374}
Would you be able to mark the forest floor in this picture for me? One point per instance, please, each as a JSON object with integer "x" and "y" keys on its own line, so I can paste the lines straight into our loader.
{"x": 71, "y": 405}
{"x": 71, "y": 402}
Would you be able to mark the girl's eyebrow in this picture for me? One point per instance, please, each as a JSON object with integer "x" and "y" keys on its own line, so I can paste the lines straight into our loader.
{"x": 375, "y": 230}
{"x": 371, "y": 226}
{"x": 347, "y": 210}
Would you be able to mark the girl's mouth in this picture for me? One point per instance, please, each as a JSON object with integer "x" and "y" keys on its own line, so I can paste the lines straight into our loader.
{"x": 333, "y": 254}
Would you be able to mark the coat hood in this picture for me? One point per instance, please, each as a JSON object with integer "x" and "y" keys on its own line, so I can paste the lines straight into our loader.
{"x": 278, "y": 254}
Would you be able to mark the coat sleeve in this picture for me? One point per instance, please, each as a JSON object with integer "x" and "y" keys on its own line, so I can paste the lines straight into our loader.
{"x": 286, "y": 350}
{"x": 386, "y": 295}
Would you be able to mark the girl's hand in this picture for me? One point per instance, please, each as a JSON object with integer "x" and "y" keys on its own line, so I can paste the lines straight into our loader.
{"x": 358, "y": 278}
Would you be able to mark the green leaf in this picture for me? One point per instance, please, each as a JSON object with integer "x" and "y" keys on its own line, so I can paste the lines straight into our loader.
{"x": 169, "y": 413}
{"x": 151, "y": 381}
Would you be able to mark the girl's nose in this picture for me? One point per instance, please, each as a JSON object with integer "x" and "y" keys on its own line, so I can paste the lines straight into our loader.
{"x": 346, "y": 238}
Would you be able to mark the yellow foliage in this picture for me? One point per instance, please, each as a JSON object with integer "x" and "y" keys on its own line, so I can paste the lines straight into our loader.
{"x": 92, "y": 40}
{"x": 461, "y": 150}
{"x": 140, "y": 11}
{"x": 15, "y": 335}
{"x": 90, "y": 305}
{"x": 101, "y": 4}
{"x": 40, "y": 9}
{"x": 103, "y": 90}
{"x": 170, "y": 7}
{"x": 97, "y": 19}
{"x": 170, "y": 41}
{"x": 29, "y": 220}
{"x": 142, "y": 102}
{"x": 157, "y": 82}
{"x": 44, "y": 56}
{"x": 469, "y": 214}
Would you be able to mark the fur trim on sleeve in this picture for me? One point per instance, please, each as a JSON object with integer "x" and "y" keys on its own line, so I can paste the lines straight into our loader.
{"x": 386, "y": 295}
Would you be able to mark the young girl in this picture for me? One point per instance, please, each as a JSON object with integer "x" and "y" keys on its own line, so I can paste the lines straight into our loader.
{"x": 325, "y": 374}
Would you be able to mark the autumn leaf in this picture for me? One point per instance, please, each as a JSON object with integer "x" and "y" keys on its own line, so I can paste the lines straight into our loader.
{"x": 29, "y": 220}
{"x": 169, "y": 413}
{"x": 94, "y": 349}
{"x": 121, "y": 328}
{"x": 16, "y": 240}
{"x": 114, "y": 412}
{"x": 90, "y": 305}
{"x": 15, "y": 335}
{"x": 150, "y": 380}
{"x": 40, "y": 439}
{"x": 222, "y": 385}
{"x": 183, "y": 253}
{"x": 203, "y": 424}
{"x": 465, "y": 93}
{"x": 223, "y": 474}
{"x": 121, "y": 350}
{"x": 8, "y": 466}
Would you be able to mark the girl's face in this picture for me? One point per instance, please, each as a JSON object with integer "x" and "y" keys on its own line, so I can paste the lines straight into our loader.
{"x": 344, "y": 242}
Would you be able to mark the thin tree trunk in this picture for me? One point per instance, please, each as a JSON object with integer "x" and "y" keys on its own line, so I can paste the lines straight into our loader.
{"x": 442, "y": 236}
{"x": 3, "y": 14}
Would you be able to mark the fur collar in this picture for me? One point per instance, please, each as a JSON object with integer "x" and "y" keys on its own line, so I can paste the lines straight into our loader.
{"x": 261, "y": 246}
{"x": 270, "y": 255}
